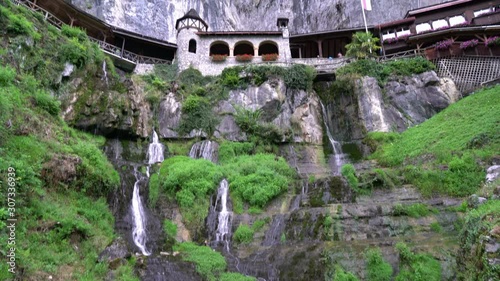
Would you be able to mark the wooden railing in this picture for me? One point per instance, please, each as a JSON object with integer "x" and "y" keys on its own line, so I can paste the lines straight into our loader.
{"x": 107, "y": 47}
{"x": 404, "y": 54}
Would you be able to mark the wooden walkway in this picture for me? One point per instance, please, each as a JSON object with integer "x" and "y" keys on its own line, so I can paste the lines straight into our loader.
{"x": 110, "y": 49}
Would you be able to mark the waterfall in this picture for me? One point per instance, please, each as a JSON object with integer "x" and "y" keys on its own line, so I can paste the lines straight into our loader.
{"x": 224, "y": 226}
{"x": 155, "y": 150}
{"x": 339, "y": 157}
{"x": 208, "y": 150}
{"x": 139, "y": 229}
{"x": 105, "y": 72}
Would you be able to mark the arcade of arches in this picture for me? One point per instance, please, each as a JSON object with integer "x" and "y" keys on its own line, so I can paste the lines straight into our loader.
{"x": 243, "y": 48}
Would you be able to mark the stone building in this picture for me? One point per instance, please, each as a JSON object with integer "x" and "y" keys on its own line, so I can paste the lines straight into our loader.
{"x": 212, "y": 51}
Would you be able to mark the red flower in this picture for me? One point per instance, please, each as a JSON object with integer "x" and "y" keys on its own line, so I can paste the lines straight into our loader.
{"x": 244, "y": 58}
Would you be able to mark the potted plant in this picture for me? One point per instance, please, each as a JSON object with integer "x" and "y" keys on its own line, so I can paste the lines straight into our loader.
{"x": 443, "y": 47}
{"x": 469, "y": 46}
{"x": 244, "y": 58}
{"x": 269, "y": 57}
{"x": 493, "y": 44}
{"x": 218, "y": 58}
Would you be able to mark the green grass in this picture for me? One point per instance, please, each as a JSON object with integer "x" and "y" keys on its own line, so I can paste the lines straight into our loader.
{"x": 417, "y": 266}
{"x": 416, "y": 210}
{"x": 442, "y": 155}
{"x": 209, "y": 263}
{"x": 233, "y": 276}
{"x": 376, "y": 267}
{"x": 342, "y": 275}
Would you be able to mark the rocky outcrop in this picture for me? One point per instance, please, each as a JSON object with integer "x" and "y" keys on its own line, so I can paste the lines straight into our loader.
{"x": 399, "y": 104}
{"x": 93, "y": 106}
{"x": 170, "y": 116}
{"x": 157, "y": 18}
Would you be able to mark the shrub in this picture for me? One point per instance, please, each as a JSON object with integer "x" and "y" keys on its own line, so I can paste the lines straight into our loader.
{"x": 258, "y": 225}
{"x": 377, "y": 268}
{"x": 197, "y": 115}
{"x": 208, "y": 263}
{"x": 417, "y": 267}
{"x": 300, "y": 76}
{"x": 349, "y": 172}
{"x": 7, "y": 75}
{"x": 229, "y": 150}
{"x": 363, "y": 45}
{"x": 243, "y": 234}
{"x": 47, "y": 103}
{"x": 342, "y": 275}
{"x": 74, "y": 32}
{"x": 170, "y": 228}
{"x": 74, "y": 52}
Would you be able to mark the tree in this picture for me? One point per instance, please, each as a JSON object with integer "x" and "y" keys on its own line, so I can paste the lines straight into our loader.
{"x": 363, "y": 45}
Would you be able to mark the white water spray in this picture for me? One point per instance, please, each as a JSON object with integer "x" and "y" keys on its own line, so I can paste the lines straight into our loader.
{"x": 223, "y": 226}
{"x": 139, "y": 229}
{"x": 339, "y": 156}
{"x": 155, "y": 150}
{"x": 105, "y": 72}
{"x": 204, "y": 149}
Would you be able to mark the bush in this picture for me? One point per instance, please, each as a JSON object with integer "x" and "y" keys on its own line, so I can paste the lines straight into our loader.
{"x": 209, "y": 263}
{"x": 74, "y": 52}
{"x": 170, "y": 228}
{"x": 7, "y": 75}
{"x": 349, "y": 172}
{"x": 47, "y": 103}
{"x": 258, "y": 178}
{"x": 417, "y": 267}
{"x": 377, "y": 268}
{"x": 243, "y": 234}
{"x": 74, "y": 32}
{"x": 300, "y": 76}
{"x": 342, "y": 275}
{"x": 229, "y": 150}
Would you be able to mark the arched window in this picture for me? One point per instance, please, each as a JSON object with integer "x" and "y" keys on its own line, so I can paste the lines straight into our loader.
{"x": 243, "y": 48}
{"x": 268, "y": 47}
{"x": 219, "y": 48}
{"x": 192, "y": 46}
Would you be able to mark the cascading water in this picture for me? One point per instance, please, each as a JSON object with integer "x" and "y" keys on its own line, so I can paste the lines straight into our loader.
{"x": 339, "y": 157}
{"x": 224, "y": 225}
{"x": 205, "y": 149}
{"x": 105, "y": 72}
{"x": 139, "y": 229}
{"x": 155, "y": 150}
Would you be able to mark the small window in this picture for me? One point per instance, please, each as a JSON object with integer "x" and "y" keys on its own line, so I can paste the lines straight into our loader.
{"x": 192, "y": 46}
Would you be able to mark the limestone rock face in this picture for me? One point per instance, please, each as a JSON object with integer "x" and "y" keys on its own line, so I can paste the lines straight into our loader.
{"x": 398, "y": 105}
{"x": 169, "y": 116}
{"x": 292, "y": 111}
{"x": 108, "y": 112}
{"x": 157, "y": 18}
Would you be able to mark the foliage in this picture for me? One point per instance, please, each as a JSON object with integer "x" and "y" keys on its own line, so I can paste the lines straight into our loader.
{"x": 377, "y": 268}
{"x": 382, "y": 71}
{"x": 243, "y": 234}
{"x": 7, "y": 75}
{"x": 471, "y": 257}
{"x": 342, "y": 275}
{"x": 363, "y": 45}
{"x": 469, "y": 44}
{"x": 442, "y": 154}
{"x": 249, "y": 121}
{"x": 208, "y": 263}
{"x": 349, "y": 172}
{"x": 258, "y": 178}
{"x": 197, "y": 115}
{"x": 417, "y": 267}
{"x": 492, "y": 41}
{"x": 74, "y": 32}
{"x": 229, "y": 150}
{"x": 47, "y": 103}
{"x": 298, "y": 76}
{"x": 234, "y": 276}
{"x": 170, "y": 228}
{"x": 17, "y": 23}
{"x": 258, "y": 224}
{"x": 416, "y": 210}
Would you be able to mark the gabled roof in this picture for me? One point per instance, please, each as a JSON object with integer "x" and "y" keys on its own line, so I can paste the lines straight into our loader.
{"x": 191, "y": 14}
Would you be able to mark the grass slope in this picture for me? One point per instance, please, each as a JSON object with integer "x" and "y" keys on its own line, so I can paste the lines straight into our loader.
{"x": 449, "y": 152}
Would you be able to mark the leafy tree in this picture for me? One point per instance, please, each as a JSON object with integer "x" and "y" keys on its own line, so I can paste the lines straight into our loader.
{"x": 363, "y": 45}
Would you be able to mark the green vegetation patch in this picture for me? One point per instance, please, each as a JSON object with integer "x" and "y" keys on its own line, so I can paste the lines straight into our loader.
{"x": 416, "y": 210}
{"x": 417, "y": 267}
{"x": 209, "y": 263}
{"x": 444, "y": 153}
{"x": 377, "y": 268}
{"x": 234, "y": 276}
{"x": 243, "y": 234}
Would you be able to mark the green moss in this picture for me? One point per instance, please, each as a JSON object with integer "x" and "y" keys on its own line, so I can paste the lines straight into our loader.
{"x": 418, "y": 267}
{"x": 416, "y": 210}
{"x": 233, "y": 276}
{"x": 349, "y": 172}
{"x": 342, "y": 275}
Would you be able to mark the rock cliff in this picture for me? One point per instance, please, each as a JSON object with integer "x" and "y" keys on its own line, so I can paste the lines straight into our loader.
{"x": 157, "y": 18}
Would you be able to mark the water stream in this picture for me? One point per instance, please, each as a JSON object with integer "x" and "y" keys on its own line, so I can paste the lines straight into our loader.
{"x": 139, "y": 230}
{"x": 224, "y": 226}
{"x": 105, "y": 72}
{"x": 339, "y": 158}
{"x": 205, "y": 149}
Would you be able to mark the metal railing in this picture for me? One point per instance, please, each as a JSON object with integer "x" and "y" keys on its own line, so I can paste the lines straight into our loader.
{"x": 107, "y": 47}
{"x": 404, "y": 54}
